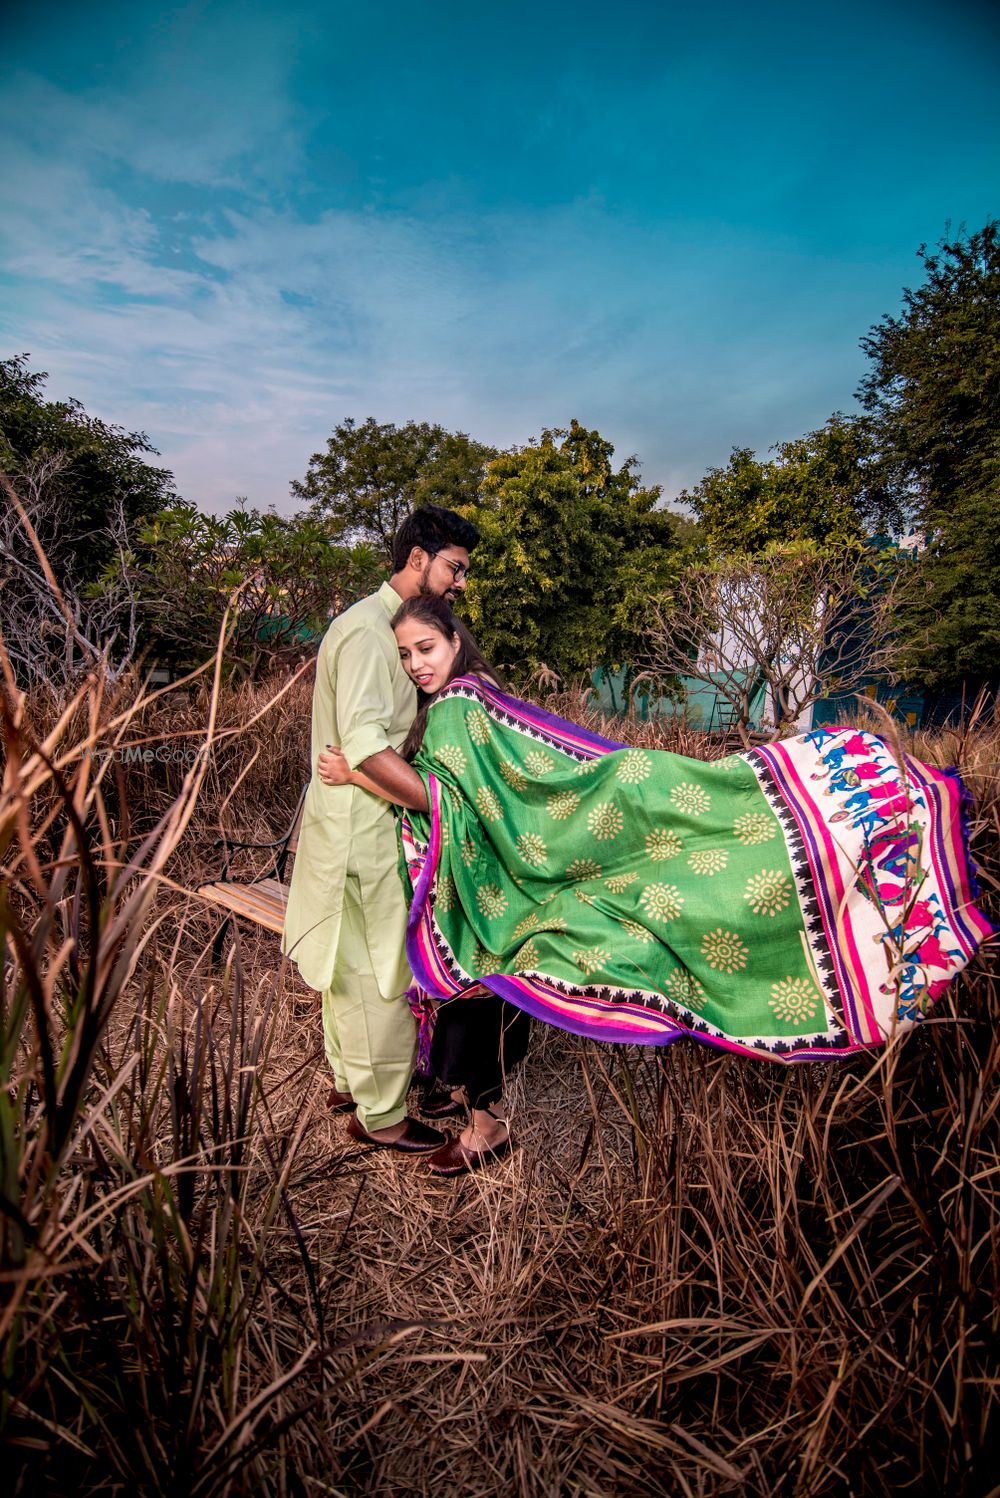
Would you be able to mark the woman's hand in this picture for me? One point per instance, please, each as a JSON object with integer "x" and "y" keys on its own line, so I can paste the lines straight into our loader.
{"x": 333, "y": 768}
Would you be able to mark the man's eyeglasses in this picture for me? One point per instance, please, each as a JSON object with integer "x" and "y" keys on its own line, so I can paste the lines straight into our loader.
{"x": 458, "y": 570}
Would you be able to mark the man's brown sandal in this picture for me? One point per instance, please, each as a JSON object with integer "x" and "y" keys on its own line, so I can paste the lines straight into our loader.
{"x": 416, "y": 1139}
{"x": 340, "y": 1102}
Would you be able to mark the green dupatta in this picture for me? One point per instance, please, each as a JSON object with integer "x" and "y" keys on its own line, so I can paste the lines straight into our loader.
{"x": 763, "y": 902}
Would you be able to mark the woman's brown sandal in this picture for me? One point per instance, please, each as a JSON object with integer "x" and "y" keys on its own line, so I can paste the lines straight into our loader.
{"x": 455, "y": 1159}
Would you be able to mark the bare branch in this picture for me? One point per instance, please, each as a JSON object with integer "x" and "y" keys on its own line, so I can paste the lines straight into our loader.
{"x": 795, "y": 623}
{"x": 51, "y": 630}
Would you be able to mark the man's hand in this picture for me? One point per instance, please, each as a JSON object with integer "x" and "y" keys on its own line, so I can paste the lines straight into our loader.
{"x": 333, "y": 768}
{"x": 388, "y": 774}
{"x": 385, "y": 774}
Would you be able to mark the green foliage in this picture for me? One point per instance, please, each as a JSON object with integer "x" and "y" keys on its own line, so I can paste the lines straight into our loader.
{"x": 933, "y": 393}
{"x": 96, "y": 474}
{"x": 288, "y": 578}
{"x": 815, "y": 489}
{"x": 371, "y": 476}
{"x": 572, "y": 552}
{"x": 933, "y": 398}
{"x": 952, "y": 605}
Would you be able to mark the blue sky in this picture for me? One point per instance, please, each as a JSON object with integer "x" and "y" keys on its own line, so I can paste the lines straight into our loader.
{"x": 234, "y": 224}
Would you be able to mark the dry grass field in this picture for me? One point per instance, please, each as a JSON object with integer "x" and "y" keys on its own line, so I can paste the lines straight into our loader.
{"x": 697, "y": 1274}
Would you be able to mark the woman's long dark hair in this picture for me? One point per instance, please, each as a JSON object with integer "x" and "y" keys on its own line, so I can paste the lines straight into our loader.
{"x": 470, "y": 660}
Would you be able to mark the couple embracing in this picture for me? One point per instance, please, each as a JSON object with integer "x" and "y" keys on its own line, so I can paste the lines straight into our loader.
{"x": 800, "y": 900}
{"x": 345, "y": 927}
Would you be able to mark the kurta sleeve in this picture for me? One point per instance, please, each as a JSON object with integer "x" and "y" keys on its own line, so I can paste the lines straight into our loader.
{"x": 365, "y": 698}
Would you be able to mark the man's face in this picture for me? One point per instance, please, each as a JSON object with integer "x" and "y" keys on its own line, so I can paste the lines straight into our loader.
{"x": 446, "y": 573}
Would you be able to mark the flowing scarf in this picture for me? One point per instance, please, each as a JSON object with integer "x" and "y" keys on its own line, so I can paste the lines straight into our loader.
{"x": 804, "y": 899}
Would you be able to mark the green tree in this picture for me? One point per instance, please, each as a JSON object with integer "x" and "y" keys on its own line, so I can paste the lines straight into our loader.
{"x": 816, "y": 488}
{"x": 86, "y": 483}
{"x": 932, "y": 397}
{"x": 371, "y": 476}
{"x": 280, "y": 574}
{"x": 951, "y": 607}
{"x": 572, "y": 552}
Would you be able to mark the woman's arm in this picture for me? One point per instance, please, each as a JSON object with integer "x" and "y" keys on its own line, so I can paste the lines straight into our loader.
{"x": 385, "y": 774}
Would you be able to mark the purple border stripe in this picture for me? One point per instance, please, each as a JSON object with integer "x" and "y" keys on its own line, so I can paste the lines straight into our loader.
{"x": 537, "y": 717}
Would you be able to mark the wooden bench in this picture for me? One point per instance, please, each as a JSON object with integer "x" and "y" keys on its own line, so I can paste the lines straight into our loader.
{"x": 262, "y": 901}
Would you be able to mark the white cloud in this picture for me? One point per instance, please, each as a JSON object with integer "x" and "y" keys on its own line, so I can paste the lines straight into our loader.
{"x": 204, "y": 101}
{"x": 499, "y": 325}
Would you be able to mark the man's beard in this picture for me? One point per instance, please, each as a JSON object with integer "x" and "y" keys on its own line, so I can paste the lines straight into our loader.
{"x": 426, "y": 591}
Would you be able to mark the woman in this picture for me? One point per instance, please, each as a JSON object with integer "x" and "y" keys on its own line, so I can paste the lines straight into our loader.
{"x": 807, "y": 898}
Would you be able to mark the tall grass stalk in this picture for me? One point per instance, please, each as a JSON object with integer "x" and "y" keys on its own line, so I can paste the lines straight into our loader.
{"x": 133, "y": 1144}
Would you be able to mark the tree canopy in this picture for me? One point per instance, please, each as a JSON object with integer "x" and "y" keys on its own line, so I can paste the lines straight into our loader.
{"x": 279, "y": 574}
{"x": 933, "y": 391}
{"x": 372, "y": 475}
{"x": 85, "y": 482}
{"x": 572, "y": 552}
{"x": 814, "y": 489}
{"x": 933, "y": 401}
{"x": 951, "y": 608}
{"x": 575, "y": 549}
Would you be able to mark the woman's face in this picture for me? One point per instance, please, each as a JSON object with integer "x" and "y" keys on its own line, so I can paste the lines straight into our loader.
{"x": 427, "y": 655}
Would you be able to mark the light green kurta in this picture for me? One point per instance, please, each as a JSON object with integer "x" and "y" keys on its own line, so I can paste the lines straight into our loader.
{"x": 364, "y": 702}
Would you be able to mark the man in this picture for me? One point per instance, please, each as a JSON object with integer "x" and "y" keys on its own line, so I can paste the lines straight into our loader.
{"x": 345, "y": 925}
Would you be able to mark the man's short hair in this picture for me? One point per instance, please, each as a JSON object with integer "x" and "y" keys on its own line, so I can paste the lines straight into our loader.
{"x": 431, "y": 527}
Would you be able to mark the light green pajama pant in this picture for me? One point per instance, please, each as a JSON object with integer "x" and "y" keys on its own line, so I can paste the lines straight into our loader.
{"x": 370, "y": 1037}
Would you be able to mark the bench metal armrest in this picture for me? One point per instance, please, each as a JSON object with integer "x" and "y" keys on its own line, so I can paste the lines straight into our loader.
{"x": 233, "y": 843}
{"x": 277, "y": 869}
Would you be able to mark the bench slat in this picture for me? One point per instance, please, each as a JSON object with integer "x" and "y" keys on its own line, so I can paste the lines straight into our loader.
{"x": 263, "y": 903}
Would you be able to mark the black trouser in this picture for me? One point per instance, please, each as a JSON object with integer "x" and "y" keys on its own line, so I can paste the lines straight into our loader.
{"x": 477, "y": 1041}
